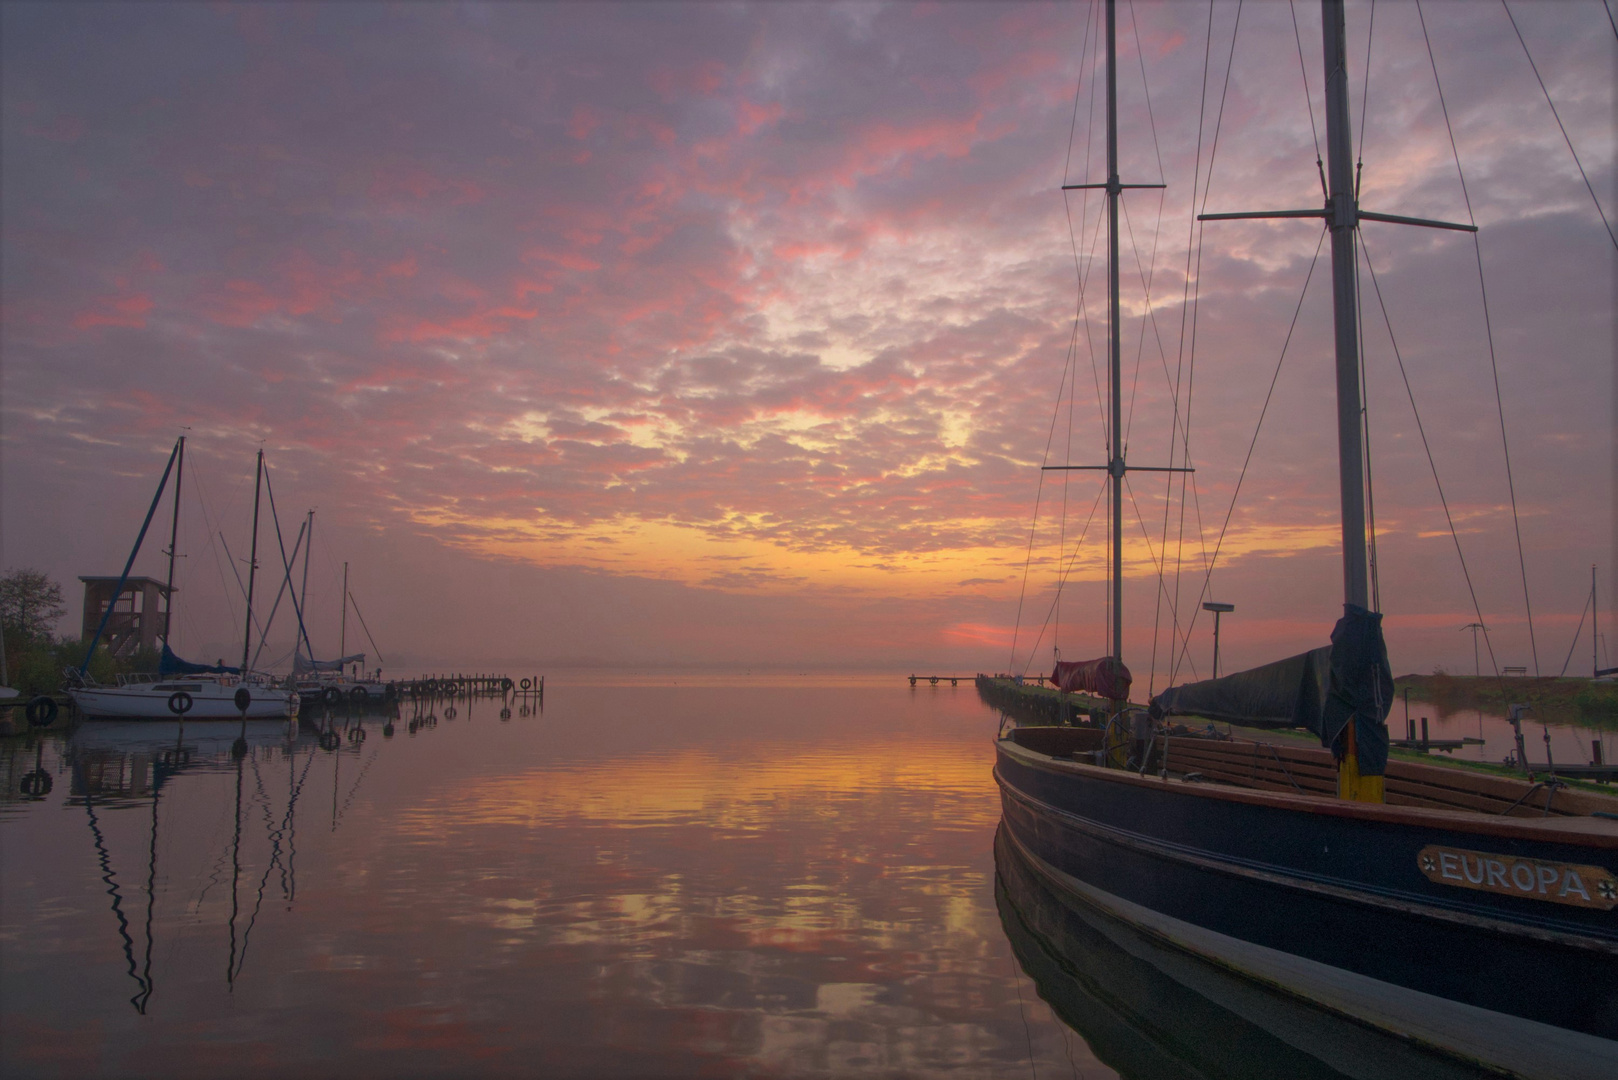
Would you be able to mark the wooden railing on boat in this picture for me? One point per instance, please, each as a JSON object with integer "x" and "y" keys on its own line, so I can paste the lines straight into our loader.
{"x": 1274, "y": 766}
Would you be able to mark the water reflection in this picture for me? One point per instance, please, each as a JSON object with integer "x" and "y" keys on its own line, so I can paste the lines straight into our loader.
{"x": 1563, "y": 739}
{"x": 642, "y": 881}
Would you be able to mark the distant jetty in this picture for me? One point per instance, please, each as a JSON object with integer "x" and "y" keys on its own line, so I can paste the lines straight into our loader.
{"x": 1030, "y": 702}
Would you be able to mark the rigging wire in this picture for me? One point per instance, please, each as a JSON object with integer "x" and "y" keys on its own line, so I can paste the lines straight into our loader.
{"x": 1488, "y": 330}
{"x": 1365, "y": 439}
{"x": 1431, "y": 464}
{"x": 1050, "y": 437}
{"x": 1064, "y": 572}
{"x": 1186, "y": 307}
{"x": 1608, "y": 9}
{"x": 1565, "y": 137}
{"x": 1147, "y": 536}
{"x": 1207, "y": 190}
{"x": 1575, "y": 643}
{"x": 1365, "y": 98}
{"x": 1246, "y": 461}
{"x": 1309, "y": 104}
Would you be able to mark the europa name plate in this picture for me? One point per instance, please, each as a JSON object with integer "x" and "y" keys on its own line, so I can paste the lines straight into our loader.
{"x": 1560, "y": 883}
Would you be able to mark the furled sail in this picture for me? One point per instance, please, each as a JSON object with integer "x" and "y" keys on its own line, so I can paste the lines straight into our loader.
{"x": 302, "y": 665}
{"x": 1322, "y": 690}
{"x": 1106, "y": 677}
{"x": 169, "y": 664}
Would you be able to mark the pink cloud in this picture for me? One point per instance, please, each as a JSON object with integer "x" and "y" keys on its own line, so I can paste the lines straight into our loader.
{"x": 124, "y": 310}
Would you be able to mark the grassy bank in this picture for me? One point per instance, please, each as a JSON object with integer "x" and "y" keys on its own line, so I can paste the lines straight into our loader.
{"x": 1568, "y": 701}
{"x": 35, "y": 667}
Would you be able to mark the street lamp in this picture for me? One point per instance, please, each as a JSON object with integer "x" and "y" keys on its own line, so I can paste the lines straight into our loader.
{"x": 1218, "y": 610}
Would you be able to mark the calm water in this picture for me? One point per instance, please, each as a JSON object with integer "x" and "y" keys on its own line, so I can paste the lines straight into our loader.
{"x": 716, "y": 880}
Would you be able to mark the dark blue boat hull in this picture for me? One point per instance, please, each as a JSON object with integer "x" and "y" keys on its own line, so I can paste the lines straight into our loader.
{"x": 1342, "y": 890}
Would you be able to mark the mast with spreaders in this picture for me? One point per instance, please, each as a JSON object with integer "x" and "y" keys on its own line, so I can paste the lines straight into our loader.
{"x": 1115, "y": 467}
{"x": 1342, "y": 216}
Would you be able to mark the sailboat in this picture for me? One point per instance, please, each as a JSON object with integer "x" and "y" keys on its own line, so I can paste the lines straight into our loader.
{"x": 1418, "y": 902}
{"x": 328, "y": 682}
{"x": 181, "y": 689}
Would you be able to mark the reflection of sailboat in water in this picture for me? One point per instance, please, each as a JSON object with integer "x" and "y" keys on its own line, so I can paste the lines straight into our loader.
{"x": 1154, "y": 1013}
{"x": 120, "y": 767}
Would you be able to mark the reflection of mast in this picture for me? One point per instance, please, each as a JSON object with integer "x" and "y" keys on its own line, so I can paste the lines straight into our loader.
{"x": 235, "y": 876}
{"x": 151, "y": 888}
{"x": 274, "y": 835}
{"x": 111, "y": 879}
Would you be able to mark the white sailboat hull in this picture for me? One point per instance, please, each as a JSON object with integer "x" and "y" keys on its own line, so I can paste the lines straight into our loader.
{"x": 209, "y": 701}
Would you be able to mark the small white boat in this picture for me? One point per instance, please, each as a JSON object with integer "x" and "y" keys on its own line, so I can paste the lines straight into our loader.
{"x": 186, "y": 699}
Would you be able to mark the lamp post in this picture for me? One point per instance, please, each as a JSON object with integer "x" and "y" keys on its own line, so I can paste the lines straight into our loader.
{"x": 1218, "y": 610}
{"x": 1477, "y": 667}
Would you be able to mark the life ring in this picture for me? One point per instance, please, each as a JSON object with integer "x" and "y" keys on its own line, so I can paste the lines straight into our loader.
{"x": 329, "y": 740}
{"x": 359, "y": 695}
{"x": 179, "y": 703}
{"x": 243, "y": 699}
{"x": 387, "y": 730}
{"x": 356, "y": 735}
{"x": 176, "y": 759}
{"x": 449, "y": 713}
{"x": 36, "y": 784}
{"x": 505, "y": 714}
{"x": 332, "y": 695}
{"x": 506, "y": 685}
{"x": 41, "y": 711}
{"x": 526, "y": 683}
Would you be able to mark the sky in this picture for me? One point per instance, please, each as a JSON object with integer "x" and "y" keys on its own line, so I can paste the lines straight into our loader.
{"x": 736, "y": 334}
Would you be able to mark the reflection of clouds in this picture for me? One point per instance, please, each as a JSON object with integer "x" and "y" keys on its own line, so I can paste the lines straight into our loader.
{"x": 818, "y": 911}
{"x": 701, "y": 787}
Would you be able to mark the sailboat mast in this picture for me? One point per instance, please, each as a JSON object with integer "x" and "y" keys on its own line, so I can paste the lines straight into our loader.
{"x": 1342, "y": 218}
{"x": 174, "y": 536}
{"x": 303, "y": 594}
{"x": 1115, "y": 460}
{"x": 342, "y": 632}
{"x": 252, "y": 563}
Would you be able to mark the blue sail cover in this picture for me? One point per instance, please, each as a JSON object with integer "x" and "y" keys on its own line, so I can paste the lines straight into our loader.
{"x": 173, "y": 665}
{"x": 1321, "y": 690}
{"x": 303, "y": 665}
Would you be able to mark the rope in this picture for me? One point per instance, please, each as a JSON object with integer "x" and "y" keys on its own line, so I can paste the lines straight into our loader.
{"x": 1488, "y": 329}
{"x": 1246, "y": 461}
{"x": 1559, "y": 124}
{"x": 1365, "y": 442}
{"x": 1063, "y": 572}
{"x": 1575, "y": 643}
{"x": 1365, "y": 99}
{"x": 1320, "y": 166}
{"x": 1422, "y": 431}
{"x": 1028, "y": 561}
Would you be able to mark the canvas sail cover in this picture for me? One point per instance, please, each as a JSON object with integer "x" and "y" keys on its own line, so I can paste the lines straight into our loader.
{"x": 1106, "y": 678}
{"x": 303, "y": 665}
{"x": 1323, "y": 690}
{"x": 169, "y": 664}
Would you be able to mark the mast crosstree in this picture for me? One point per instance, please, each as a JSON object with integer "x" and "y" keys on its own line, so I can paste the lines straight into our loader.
{"x": 1115, "y": 466}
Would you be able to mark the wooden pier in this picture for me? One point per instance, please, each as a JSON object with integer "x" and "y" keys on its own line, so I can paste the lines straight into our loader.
{"x": 480, "y": 685}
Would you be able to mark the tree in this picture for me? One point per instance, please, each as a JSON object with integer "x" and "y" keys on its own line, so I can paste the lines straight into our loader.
{"x": 30, "y": 604}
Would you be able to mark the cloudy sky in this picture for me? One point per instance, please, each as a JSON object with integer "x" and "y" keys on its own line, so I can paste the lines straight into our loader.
{"x": 736, "y": 334}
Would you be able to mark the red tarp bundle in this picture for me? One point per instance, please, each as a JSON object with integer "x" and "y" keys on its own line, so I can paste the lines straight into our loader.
{"x": 1105, "y": 678}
